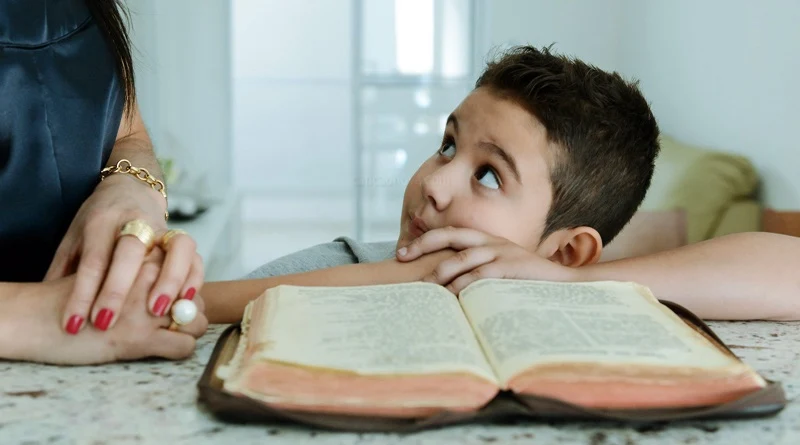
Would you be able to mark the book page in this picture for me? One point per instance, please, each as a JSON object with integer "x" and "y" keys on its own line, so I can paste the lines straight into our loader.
{"x": 524, "y": 323}
{"x": 412, "y": 328}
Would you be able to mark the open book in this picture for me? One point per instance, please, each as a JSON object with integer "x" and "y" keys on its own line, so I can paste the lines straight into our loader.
{"x": 414, "y": 350}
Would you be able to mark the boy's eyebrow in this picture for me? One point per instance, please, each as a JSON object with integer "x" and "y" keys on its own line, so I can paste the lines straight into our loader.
{"x": 507, "y": 158}
{"x": 492, "y": 148}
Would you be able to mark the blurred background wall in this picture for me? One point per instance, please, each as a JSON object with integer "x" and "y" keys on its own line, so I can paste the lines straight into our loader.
{"x": 295, "y": 122}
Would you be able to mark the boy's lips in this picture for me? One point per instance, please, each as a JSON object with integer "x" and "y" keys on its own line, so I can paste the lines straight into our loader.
{"x": 417, "y": 226}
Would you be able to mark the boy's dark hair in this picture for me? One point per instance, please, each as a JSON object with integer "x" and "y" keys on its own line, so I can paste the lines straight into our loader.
{"x": 606, "y": 135}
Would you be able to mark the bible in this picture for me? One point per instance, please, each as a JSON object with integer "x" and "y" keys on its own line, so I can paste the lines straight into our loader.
{"x": 414, "y": 352}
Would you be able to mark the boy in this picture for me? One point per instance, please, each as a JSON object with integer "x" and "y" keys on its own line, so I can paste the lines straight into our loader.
{"x": 540, "y": 167}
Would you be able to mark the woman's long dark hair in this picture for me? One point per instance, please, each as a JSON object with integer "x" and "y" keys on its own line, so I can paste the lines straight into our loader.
{"x": 108, "y": 14}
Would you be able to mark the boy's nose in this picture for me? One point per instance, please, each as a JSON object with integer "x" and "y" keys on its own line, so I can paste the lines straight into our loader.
{"x": 438, "y": 188}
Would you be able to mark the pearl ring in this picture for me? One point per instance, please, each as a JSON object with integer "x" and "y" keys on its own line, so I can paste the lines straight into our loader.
{"x": 183, "y": 312}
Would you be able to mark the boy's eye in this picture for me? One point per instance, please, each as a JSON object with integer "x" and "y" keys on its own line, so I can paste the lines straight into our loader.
{"x": 488, "y": 177}
{"x": 448, "y": 149}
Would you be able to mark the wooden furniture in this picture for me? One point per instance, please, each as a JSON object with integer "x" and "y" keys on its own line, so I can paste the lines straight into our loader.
{"x": 785, "y": 222}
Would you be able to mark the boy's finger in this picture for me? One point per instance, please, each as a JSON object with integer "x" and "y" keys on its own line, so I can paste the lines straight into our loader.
{"x": 489, "y": 270}
{"x": 439, "y": 239}
{"x": 459, "y": 264}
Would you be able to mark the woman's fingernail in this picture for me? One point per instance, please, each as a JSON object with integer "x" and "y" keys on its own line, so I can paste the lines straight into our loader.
{"x": 160, "y": 307}
{"x": 402, "y": 251}
{"x": 103, "y": 319}
{"x": 190, "y": 293}
{"x": 74, "y": 324}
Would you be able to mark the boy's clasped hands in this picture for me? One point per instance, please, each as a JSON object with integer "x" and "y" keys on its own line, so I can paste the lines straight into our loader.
{"x": 480, "y": 255}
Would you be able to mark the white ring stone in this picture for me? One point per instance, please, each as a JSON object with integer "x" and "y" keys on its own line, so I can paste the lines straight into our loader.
{"x": 184, "y": 311}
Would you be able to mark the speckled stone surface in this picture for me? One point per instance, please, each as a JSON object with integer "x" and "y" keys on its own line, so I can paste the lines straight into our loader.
{"x": 154, "y": 402}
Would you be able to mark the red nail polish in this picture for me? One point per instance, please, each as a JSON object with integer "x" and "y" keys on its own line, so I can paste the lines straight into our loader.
{"x": 190, "y": 293}
{"x": 161, "y": 305}
{"x": 103, "y": 319}
{"x": 74, "y": 324}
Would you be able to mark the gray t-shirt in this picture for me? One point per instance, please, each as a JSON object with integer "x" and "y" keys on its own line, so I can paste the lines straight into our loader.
{"x": 339, "y": 252}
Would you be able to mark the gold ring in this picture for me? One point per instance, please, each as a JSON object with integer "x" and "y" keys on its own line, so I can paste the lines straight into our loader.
{"x": 170, "y": 234}
{"x": 141, "y": 230}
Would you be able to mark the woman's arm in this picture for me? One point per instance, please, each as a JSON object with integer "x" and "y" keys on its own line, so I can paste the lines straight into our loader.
{"x": 741, "y": 276}
{"x": 106, "y": 265}
{"x": 133, "y": 143}
{"x": 226, "y": 300}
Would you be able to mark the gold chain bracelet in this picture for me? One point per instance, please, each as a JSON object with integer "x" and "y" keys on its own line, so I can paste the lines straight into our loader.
{"x": 124, "y": 166}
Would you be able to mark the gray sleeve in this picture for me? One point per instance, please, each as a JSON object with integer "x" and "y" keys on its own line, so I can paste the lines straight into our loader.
{"x": 322, "y": 256}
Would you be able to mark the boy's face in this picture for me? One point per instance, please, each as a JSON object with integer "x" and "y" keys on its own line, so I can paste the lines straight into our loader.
{"x": 490, "y": 174}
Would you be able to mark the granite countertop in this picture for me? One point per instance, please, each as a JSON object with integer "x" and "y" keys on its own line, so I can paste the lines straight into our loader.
{"x": 155, "y": 402}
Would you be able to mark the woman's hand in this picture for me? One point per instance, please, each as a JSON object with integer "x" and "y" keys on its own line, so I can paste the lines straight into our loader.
{"x": 137, "y": 333}
{"x": 106, "y": 265}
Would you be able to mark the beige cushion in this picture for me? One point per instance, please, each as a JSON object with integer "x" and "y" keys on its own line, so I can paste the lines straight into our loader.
{"x": 646, "y": 233}
{"x": 703, "y": 182}
{"x": 741, "y": 216}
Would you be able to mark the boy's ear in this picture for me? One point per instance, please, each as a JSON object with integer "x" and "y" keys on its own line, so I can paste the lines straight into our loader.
{"x": 576, "y": 247}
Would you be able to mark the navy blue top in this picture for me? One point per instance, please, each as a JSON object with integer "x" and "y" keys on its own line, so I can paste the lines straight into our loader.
{"x": 61, "y": 104}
